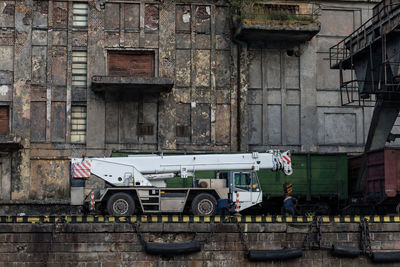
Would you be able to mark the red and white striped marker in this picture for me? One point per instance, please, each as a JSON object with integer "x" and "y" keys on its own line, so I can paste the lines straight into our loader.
{"x": 287, "y": 158}
{"x": 92, "y": 200}
{"x": 237, "y": 202}
{"x": 81, "y": 169}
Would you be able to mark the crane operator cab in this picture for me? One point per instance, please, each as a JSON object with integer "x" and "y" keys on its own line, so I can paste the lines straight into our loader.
{"x": 243, "y": 188}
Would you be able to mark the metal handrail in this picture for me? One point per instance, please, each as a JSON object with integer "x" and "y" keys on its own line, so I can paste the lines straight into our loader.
{"x": 345, "y": 48}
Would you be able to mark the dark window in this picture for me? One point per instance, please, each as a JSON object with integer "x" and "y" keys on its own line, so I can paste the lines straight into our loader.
{"x": 182, "y": 131}
{"x": 4, "y": 119}
{"x": 131, "y": 64}
{"x": 145, "y": 129}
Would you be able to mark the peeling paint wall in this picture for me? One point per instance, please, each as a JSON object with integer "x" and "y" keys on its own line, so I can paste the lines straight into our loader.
{"x": 223, "y": 99}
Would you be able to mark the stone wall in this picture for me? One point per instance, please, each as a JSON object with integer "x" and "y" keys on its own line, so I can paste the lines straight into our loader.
{"x": 116, "y": 244}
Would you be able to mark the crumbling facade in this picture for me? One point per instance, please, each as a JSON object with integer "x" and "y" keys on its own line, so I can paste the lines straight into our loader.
{"x": 95, "y": 76}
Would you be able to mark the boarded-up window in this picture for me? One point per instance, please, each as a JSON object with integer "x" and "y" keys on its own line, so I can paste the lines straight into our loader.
{"x": 4, "y": 119}
{"x": 58, "y": 121}
{"x": 128, "y": 64}
{"x": 80, "y": 15}
{"x": 78, "y": 124}
{"x": 79, "y": 68}
{"x": 38, "y": 121}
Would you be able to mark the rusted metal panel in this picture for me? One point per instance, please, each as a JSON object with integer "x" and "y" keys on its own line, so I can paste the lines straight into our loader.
{"x": 392, "y": 171}
{"x": 151, "y": 17}
{"x": 201, "y": 124}
{"x": 183, "y": 70}
{"x": 111, "y": 16}
{"x": 4, "y": 119}
{"x": 131, "y": 16}
{"x": 60, "y": 14}
{"x": 38, "y": 93}
{"x": 59, "y": 66}
{"x": 49, "y": 179}
{"x": 40, "y": 11}
{"x": 39, "y": 63}
{"x": 183, "y": 123}
{"x": 183, "y": 19}
{"x": 382, "y": 172}
{"x": 38, "y": 124}
{"x": 124, "y": 64}
{"x": 222, "y": 124}
{"x": 7, "y": 11}
{"x": 203, "y": 19}
{"x": 58, "y": 120}
{"x": 7, "y": 36}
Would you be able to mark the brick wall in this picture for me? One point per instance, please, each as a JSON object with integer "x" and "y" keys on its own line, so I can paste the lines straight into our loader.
{"x": 116, "y": 244}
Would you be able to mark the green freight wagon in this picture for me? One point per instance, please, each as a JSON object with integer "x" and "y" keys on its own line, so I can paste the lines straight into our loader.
{"x": 319, "y": 182}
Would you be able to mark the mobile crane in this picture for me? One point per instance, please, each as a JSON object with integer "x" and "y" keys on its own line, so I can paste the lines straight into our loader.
{"x": 137, "y": 183}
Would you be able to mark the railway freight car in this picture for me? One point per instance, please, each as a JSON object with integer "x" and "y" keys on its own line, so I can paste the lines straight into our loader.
{"x": 319, "y": 182}
{"x": 381, "y": 194}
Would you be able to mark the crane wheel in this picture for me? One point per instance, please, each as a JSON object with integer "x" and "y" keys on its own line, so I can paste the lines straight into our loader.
{"x": 120, "y": 204}
{"x": 204, "y": 204}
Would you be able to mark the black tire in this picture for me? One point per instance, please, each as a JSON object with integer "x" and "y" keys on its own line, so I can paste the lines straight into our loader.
{"x": 120, "y": 204}
{"x": 204, "y": 204}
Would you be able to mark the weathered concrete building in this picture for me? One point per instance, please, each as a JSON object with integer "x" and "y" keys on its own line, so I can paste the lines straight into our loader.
{"x": 92, "y": 76}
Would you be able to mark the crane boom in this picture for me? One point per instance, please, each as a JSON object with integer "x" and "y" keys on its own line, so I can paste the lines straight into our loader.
{"x": 119, "y": 171}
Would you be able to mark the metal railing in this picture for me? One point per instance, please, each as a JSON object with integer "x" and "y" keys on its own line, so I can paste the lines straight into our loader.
{"x": 371, "y": 31}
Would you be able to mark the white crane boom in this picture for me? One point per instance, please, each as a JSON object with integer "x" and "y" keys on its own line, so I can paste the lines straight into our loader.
{"x": 144, "y": 170}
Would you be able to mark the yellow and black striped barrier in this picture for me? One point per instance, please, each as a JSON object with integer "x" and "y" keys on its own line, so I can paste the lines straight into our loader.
{"x": 194, "y": 219}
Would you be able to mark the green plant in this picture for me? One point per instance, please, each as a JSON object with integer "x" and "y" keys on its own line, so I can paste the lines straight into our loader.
{"x": 250, "y": 9}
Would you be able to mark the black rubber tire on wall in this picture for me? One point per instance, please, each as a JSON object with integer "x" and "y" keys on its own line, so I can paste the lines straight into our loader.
{"x": 168, "y": 249}
{"x": 127, "y": 202}
{"x": 205, "y": 199}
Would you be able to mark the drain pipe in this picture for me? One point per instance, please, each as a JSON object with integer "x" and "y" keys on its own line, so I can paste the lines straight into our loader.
{"x": 238, "y": 82}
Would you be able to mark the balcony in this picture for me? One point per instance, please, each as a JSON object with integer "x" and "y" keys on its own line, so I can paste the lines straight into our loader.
{"x": 10, "y": 142}
{"x": 259, "y": 21}
{"x": 132, "y": 84}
